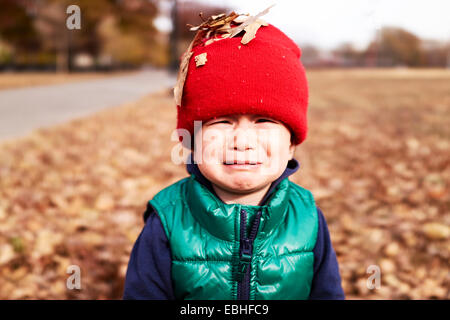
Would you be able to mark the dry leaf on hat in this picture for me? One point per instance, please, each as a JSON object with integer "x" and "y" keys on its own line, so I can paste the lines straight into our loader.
{"x": 249, "y": 21}
{"x": 241, "y": 18}
{"x": 182, "y": 73}
{"x": 200, "y": 59}
{"x": 216, "y": 28}
{"x": 218, "y": 16}
{"x": 262, "y": 22}
{"x": 178, "y": 89}
{"x": 250, "y": 30}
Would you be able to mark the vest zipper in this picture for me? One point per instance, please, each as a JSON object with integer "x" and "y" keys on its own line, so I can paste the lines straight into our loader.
{"x": 245, "y": 255}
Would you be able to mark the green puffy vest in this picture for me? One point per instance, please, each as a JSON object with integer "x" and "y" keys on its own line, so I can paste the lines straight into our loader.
{"x": 204, "y": 235}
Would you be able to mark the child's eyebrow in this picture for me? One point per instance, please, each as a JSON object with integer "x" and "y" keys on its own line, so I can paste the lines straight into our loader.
{"x": 222, "y": 117}
{"x": 263, "y": 117}
{"x": 215, "y": 119}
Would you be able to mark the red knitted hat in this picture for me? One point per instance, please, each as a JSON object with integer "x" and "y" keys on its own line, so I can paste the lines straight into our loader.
{"x": 264, "y": 77}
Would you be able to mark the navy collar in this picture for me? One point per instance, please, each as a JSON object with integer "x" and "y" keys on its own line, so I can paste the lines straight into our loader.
{"x": 292, "y": 167}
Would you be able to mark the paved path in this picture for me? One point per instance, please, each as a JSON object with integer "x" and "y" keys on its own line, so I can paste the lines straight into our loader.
{"x": 25, "y": 109}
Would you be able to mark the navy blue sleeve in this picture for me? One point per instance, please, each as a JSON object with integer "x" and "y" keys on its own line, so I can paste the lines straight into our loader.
{"x": 149, "y": 269}
{"x": 326, "y": 283}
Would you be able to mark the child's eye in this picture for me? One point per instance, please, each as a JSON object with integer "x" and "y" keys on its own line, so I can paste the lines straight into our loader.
{"x": 264, "y": 120}
{"x": 221, "y": 121}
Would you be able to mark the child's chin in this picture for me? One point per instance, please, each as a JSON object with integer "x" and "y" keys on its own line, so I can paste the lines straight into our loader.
{"x": 243, "y": 184}
{"x": 242, "y": 169}
{"x": 244, "y": 176}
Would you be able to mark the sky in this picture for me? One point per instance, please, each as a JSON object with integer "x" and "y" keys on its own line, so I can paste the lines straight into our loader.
{"x": 328, "y": 23}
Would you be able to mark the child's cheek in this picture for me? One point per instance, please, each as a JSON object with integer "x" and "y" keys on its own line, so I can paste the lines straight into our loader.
{"x": 273, "y": 143}
{"x": 212, "y": 145}
{"x": 275, "y": 151}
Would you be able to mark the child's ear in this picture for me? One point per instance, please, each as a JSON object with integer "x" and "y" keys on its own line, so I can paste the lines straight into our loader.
{"x": 292, "y": 146}
{"x": 292, "y": 150}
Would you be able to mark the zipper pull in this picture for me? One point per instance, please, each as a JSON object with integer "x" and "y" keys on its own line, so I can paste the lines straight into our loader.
{"x": 244, "y": 261}
{"x": 245, "y": 257}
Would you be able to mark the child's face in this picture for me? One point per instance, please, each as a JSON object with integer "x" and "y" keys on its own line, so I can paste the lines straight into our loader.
{"x": 243, "y": 153}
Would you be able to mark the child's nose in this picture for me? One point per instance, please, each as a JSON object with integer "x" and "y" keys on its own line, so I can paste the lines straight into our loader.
{"x": 244, "y": 139}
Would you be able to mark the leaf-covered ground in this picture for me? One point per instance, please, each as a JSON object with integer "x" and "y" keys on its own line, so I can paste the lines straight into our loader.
{"x": 377, "y": 160}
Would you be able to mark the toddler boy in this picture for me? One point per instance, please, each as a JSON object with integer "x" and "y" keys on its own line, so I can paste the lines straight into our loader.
{"x": 237, "y": 227}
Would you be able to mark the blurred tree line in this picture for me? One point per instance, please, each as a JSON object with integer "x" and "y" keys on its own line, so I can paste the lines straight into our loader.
{"x": 391, "y": 47}
{"x": 114, "y": 33}
{"x": 33, "y": 33}
{"x": 122, "y": 34}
